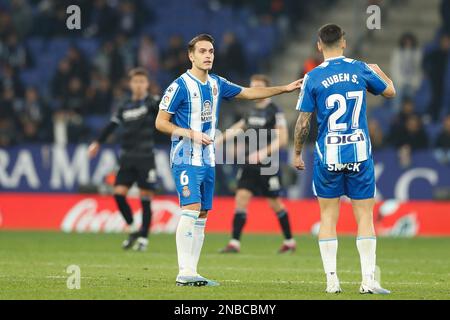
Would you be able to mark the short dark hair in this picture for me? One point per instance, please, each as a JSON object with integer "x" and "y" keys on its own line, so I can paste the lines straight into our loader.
{"x": 261, "y": 77}
{"x": 330, "y": 34}
{"x": 139, "y": 71}
{"x": 200, "y": 37}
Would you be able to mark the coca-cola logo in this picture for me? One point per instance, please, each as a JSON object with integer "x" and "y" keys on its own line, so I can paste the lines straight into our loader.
{"x": 85, "y": 216}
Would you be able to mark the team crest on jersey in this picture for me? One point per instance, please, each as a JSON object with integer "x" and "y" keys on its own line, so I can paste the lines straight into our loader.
{"x": 206, "y": 111}
{"x": 186, "y": 192}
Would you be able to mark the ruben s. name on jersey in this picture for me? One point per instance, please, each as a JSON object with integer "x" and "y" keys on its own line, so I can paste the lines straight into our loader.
{"x": 340, "y": 77}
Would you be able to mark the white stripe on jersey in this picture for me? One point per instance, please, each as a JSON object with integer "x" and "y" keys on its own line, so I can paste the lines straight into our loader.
{"x": 331, "y": 153}
{"x": 314, "y": 189}
{"x": 195, "y": 116}
{"x": 361, "y": 148}
{"x": 302, "y": 92}
{"x": 213, "y": 83}
{"x": 318, "y": 152}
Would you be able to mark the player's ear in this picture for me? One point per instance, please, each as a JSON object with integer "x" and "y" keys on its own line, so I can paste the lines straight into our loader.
{"x": 191, "y": 56}
{"x": 319, "y": 46}
{"x": 344, "y": 43}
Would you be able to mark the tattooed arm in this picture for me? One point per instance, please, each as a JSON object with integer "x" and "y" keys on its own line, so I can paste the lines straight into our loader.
{"x": 301, "y": 134}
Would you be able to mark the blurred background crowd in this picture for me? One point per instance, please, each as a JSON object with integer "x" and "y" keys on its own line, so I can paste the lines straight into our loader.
{"x": 60, "y": 86}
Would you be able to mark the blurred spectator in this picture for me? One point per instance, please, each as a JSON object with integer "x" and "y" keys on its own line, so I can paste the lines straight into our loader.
{"x": 99, "y": 96}
{"x": 412, "y": 139}
{"x": 231, "y": 58}
{"x": 414, "y": 134}
{"x": 442, "y": 145}
{"x": 34, "y": 117}
{"x": 14, "y": 53}
{"x": 10, "y": 79}
{"x": 406, "y": 68}
{"x": 103, "y": 20}
{"x": 445, "y": 16}
{"x": 175, "y": 57}
{"x": 60, "y": 80}
{"x": 6, "y": 25}
{"x": 129, "y": 22}
{"x": 22, "y": 17}
{"x": 102, "y": 60}
{"x": 79, "y": 65}
{"x": 74, "y": 98}
{"x": 8, "y": 119}
{"x": 398, "y": 124}
{"x": 148, "y": 54}
{"x": 435, "y": 67}
{"x": 376, "y": 135}
{"x": 127, "y": 52}
{"x": 313, "y": 61}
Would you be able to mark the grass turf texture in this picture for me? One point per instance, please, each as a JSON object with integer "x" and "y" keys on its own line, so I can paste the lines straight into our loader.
{"x": 33, "y": 266}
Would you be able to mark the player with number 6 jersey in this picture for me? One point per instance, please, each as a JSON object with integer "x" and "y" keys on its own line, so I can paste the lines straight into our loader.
{"x": 189, "y": 113}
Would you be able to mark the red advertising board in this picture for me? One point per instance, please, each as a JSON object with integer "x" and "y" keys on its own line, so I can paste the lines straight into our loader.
{"x": 92, "y": 213}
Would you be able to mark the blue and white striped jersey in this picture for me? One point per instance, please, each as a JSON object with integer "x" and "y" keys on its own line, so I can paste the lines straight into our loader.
{"x": 336, "y": 90}
{"x": 195, "y": 105}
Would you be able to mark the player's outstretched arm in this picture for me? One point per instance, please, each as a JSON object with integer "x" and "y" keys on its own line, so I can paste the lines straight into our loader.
{"x": 300, "y": 135}
{"x": 164, "y": 125}
{"x": 267, "y": 92}
{"x": 390, "y": 90}
{"x": 95, "y": 145}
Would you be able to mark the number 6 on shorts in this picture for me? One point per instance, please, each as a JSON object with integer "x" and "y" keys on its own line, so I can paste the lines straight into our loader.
{"x": 184, "y": 179}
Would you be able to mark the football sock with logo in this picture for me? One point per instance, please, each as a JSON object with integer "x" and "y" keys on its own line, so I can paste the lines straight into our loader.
{"x": 146, "y": 216}
{"x": 124, "y": 208}
{"x": 240, "y": 217}
{"x": 199, "y": 237}
{"x": 328, "y": 252}
{"x": 185, "y": 240}
{"x": 367, "y": 254}
{"x": 283, "y": 219}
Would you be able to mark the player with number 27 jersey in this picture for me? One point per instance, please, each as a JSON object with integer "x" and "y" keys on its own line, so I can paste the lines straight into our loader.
{"x": 336, "y": 91}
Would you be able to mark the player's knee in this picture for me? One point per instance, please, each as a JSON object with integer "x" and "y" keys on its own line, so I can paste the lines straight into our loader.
{"x": 328, "y": 220}
{"x": 120, "y": 190}
{"x": 146, "y": 194}
{"x": 193, "y": 207}
{"x": 242, "y": 199}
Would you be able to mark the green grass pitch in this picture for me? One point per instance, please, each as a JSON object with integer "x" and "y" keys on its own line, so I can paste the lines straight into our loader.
{"x": 33, "y": 266}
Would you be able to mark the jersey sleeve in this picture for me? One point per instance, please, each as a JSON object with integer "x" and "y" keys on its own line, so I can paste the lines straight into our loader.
{"x": 375, "y": 84}
{"x": 306, "y": 101}
{"x": 172, "y": 98}
{"x": 228, "y": 89}
{"x": 116, "y": 117}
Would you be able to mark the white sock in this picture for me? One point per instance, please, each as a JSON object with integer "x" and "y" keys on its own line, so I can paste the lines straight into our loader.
{"x": 289, "y": 242}
{"x": 235, "y": 243}
{"x": 328, "y": 252}
{"x": 185, "y": 239}
{"x": 367, "y": 254}
{"x": 199, "y": 237}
